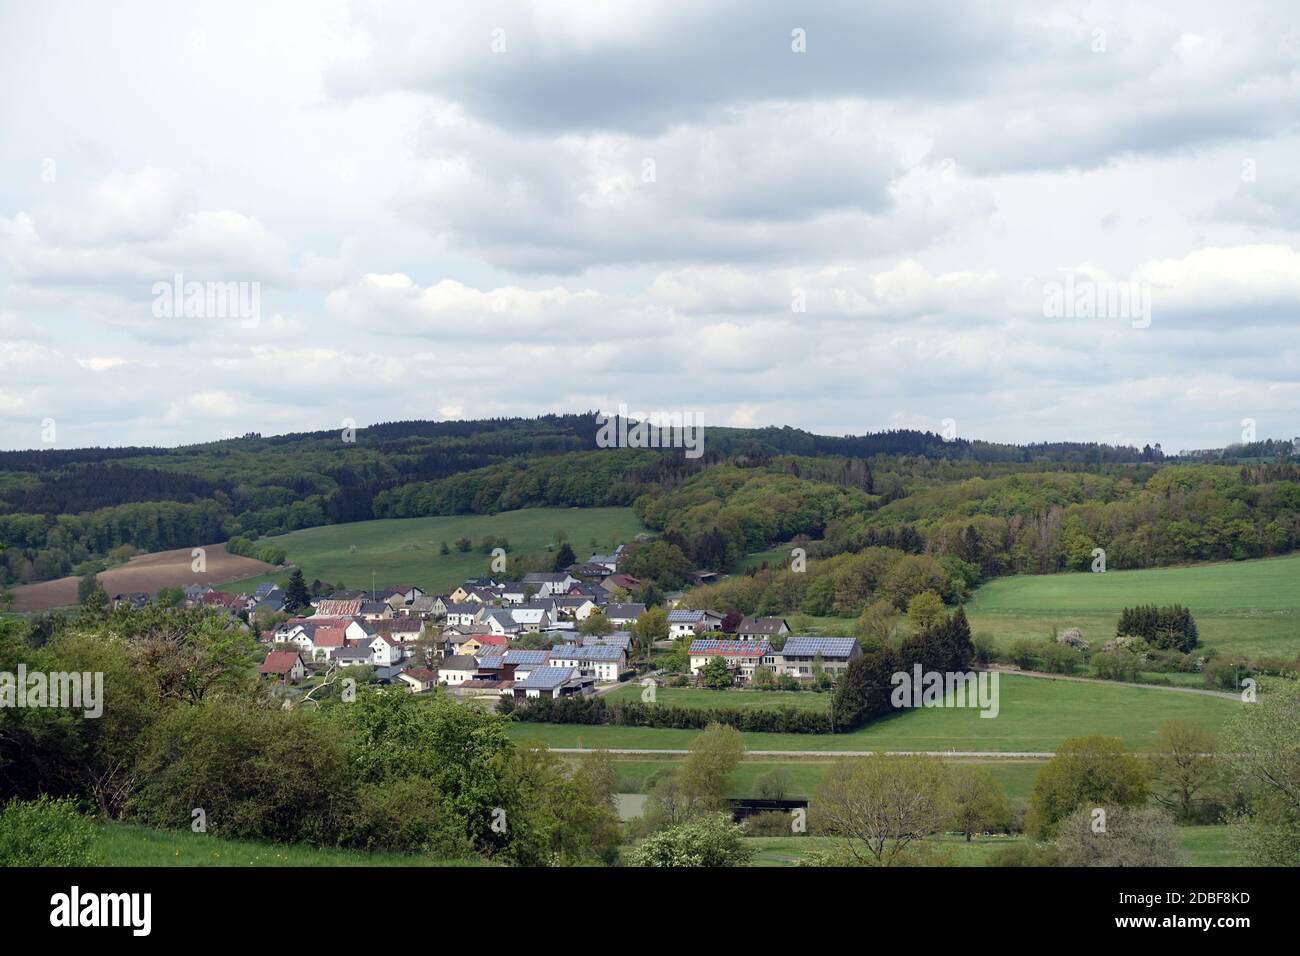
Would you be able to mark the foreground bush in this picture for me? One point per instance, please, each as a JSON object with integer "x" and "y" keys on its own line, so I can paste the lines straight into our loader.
{"x": 45, "y": 832}
{"x": 709, "y": 840}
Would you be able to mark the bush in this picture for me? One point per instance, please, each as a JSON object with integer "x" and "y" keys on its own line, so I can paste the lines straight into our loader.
{"x": 769, "y": 823}
{"x": 45, "y": 832}
{"x": 774, "y": 785}
{"x": 1118, "y": 664}
{"x": 403, "y": 815}
{"x": 1025, "y": 653}
{"x": 709, "y": 840}
{"x": 1023, "y": 854}
{"x": 1061, "y": 658}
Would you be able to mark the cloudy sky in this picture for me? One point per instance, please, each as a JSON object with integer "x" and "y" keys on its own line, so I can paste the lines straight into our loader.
{"x": 808, "y": 214}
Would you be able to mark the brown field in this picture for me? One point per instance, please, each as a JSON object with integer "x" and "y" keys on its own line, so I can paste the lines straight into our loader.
{"x": 144, "y": 572}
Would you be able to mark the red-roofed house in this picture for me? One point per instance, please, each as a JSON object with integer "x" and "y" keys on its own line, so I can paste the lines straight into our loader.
{"x": 286, "y": 665}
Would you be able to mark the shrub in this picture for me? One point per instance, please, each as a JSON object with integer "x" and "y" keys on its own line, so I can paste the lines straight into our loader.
{"x": 709, "y": 840}
{"x": 45, "y": 832}
{"x": 1024, "y": 854}
{"x": 774, "y": 785}
{"x": 1061, "y": 658}
{"x": 769, "y": 823}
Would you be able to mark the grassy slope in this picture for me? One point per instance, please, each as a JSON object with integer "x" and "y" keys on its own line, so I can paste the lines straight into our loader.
{"x": 127, "y": 845}
{"x": 1035, "y": 715}
{"x": 1246, "y": 607}
{"x": 405, "y": 550}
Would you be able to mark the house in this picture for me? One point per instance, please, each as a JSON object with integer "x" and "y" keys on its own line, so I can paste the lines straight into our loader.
{"x": 419, "y": 679}
{"x": 353, "y": 655}
{"x": 514, "y": 592}
{"x": 601, "y": 661}
{"x": 757, "y": 628}
{"x": 386, "y": 651}
{"x": 426, "y": 606}
{"x": 133, "y": 599}
{"x": 463, "y": 615}
{"x": 501, "y": 622}
{"x": 478, "y": 642}
{"x": 742, "y": 657}
{"x": 262, "y": 590}
{"x": 375, "y": 611}
{"x": 607, "y": 561}
{"x": 286, "y": 666}
{"x": 587, "y": 571}
{"x": 621, "y": 639}
{"x": 801, "y": 655}
{"x": 573, "y": 608}
{"x": 534, "y": 616}
{"x": 621, "y": 615}
{"x": 550, "y": 582}
{"x": 683, "y": 622}
{"x": 551, "y": 682}
{"x": 268, "y": 605}
{"x": 457, "y": 669}
{"x": 406, "y": 630}
{"x": 330, "y": 607}
{"x": 399, "y": 595}
{"x": 524, "y": 661}
{"x": 624, "y": 581}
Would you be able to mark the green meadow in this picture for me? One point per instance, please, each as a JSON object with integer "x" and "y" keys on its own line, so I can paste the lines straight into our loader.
{"x": 1250, "y": 608}
{"x": 1035, "y": 715}
{"x": 738, "y": 698}
{"x": 406, "y": 550}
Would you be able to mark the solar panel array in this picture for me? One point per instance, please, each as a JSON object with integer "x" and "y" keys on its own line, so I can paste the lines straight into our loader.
{"x": 545, "y": 678}
{"x": 734, "y": 648}
{"x": 825, "y": 646}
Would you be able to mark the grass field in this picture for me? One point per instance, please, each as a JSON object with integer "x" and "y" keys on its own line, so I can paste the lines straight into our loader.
{"x": 123, "y": 844}
{"x": 740, "y": 699}
{"x": 1035, "y": 716}
{"x": 1016, "y": 777}
{"x": 1243, "y": 607}
{"x": 1201, "y": 846}
{"x": 405, "y": 550}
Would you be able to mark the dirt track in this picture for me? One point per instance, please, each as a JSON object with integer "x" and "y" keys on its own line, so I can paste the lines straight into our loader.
{"x": 145, "y": 572}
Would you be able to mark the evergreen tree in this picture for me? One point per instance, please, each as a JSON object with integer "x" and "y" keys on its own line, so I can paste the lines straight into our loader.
{"x": 564, "y": 557}
{"x": 296, "y": 597}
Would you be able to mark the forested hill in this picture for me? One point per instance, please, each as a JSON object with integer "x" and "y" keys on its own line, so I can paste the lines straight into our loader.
{"x": 62, "y": 509}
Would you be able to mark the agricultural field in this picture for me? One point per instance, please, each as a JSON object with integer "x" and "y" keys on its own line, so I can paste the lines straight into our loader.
{"x": 1243, "y": 607}
{"x": 144, "y": 572}
{"x": 406, "y": 550}
{"x": 1035, "y": 716}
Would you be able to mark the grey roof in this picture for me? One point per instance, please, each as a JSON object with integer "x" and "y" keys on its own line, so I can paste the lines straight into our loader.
{"x": 762, "y": 625}
{"x": 545, "y": 678}
{"x": 625, "y": 610}
{"x": 459, "y": 662}
{"x": 685, "y": 617}
{"x": 539, "y": 577}
{"x": 840, "y": 647}
{"x": 618, "y": 639}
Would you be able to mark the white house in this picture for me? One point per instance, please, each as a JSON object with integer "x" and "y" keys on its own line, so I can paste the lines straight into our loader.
{"x": 742, "y": 657}
{"x": 386, "y": 651}
{"x": 601, "y": 661}
{"x": 681, "y": 623}
{"x": 457, "y": 669}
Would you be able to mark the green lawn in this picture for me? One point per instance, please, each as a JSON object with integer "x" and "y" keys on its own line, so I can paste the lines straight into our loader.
{"x": 699, "y": 697}
{"x": 406, "y": 550}
{"x": 1035, "y": 715}
{"x": 1243, "y": 607}
{"x": 123, "y": 844}
{"x": 1202, "y": 846}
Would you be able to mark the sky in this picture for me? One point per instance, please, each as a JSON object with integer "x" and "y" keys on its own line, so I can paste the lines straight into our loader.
{"x": 1033, "y": 221}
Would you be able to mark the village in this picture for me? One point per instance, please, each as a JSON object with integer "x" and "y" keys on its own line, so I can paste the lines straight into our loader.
{"x": 550, "y": 634}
